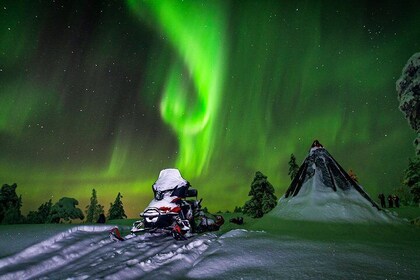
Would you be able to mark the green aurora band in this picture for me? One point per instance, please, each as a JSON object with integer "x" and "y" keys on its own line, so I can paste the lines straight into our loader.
{"x": 105, "y": 95}
{"x": 191, "y": 96}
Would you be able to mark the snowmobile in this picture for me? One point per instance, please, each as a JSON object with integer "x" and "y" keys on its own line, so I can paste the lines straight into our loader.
{"x": 174, "y": 210}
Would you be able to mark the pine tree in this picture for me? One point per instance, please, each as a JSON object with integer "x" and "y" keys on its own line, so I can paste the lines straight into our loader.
{"x": 10, "y": 205}
{"x": 44, "y": 211}
{"x": 238, "y": 209}
{"x": 412, "y": 178}
{"x": 65, "y": 210}
{"x": 94, "y": 209}
{"x": 406, "y": 197}
{"x": 263, "y": 199}
{"x": 41, "y": 216}
{"x": 269, "y": 201}
{"x": 116, "y": 209}
{"x": 99, "y": 211}
{"x": 293, "y": 167}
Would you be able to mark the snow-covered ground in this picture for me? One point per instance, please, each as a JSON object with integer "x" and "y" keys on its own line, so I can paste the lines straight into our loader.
{"x": 86, "y": 252}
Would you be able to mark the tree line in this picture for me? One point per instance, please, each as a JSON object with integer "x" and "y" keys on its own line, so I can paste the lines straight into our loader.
{"x": 263, "y": 200}
{"x": 64, "y": 210}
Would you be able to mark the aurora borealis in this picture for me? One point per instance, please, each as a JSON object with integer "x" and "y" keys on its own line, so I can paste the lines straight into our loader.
{"x": 105, "y": 94}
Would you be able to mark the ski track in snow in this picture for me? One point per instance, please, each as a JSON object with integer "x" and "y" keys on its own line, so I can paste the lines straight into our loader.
{"x": 86, "y": 252}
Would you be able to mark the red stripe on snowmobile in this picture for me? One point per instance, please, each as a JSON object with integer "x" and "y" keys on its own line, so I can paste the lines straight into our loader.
{"x": 116, "y": 233}
{"x": 176, "y": 209}
{"x": 177, "y": 228}
{"x": 164, "y": 208}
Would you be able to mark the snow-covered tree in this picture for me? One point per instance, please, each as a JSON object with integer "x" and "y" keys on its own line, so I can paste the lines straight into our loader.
{"x": 293, "y": 167}
{"x": 412, "y": 178}
{"x": 263, "y": 199}
{"x": 10, "y": 205}
{"x": 41, "y": 216}
{"x": 116, "y": 209}
{"x": 66, "y": 209}
{"x": 408, "y": 89}
{"x": 269, "y": 201}
{"x": 94, "y": 209}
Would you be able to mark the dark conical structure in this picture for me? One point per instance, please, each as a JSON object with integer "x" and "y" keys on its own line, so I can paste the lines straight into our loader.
{"x": 332, "y": 174}
{"x": 322, "y": 190}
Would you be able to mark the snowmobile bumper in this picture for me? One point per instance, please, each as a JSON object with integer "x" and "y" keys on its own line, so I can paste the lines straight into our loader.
{"x": 154, "y": 218}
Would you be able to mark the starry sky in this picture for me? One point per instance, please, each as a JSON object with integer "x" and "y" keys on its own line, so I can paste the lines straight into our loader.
{"x": 105, "y": 94}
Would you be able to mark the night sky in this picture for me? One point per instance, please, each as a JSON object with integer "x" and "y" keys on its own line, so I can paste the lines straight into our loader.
{"x": 105, "y": 94}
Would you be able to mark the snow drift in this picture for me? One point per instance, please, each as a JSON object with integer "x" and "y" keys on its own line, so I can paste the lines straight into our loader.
{"x": 86, "y": 252}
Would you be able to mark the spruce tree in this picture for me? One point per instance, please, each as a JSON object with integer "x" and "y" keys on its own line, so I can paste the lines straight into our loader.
{"x": 412, "y": 178}
{"x": 94, "y": 209}
{"x": 293, "y": 167}
{"x": 237, "y": 209}
{"x": 10, "y": 205}
{"x": 41, "y": 216}
{"x": 65, "y": 210}
{"x": 116, "y": 209}
{"x": 263, "y": 199}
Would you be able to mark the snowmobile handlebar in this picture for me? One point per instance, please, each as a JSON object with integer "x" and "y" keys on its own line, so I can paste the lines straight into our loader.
{"x": 192, "y": 193}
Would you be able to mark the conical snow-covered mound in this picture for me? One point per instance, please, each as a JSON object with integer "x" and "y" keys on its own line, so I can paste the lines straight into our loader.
{"x": 323, "y": 191}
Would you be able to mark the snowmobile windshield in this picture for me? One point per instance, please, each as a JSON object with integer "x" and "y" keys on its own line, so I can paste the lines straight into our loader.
{"x": 169, "y": 179}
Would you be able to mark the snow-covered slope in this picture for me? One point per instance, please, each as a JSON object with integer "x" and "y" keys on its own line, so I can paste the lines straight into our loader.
{"x": 315, "y": 202}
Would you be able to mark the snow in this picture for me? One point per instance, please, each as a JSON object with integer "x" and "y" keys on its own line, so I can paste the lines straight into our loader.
{"x": 87, "y": 251}
{"x": 13, "y": 238}
{"x": 169, "y": 179}
{"x": 320, "y": 233}
{"x": 84, "y": 252}
{"x": 318, "y": 203}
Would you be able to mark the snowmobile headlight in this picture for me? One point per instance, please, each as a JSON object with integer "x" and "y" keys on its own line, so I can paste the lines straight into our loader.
{"x": 152, "y": 219}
